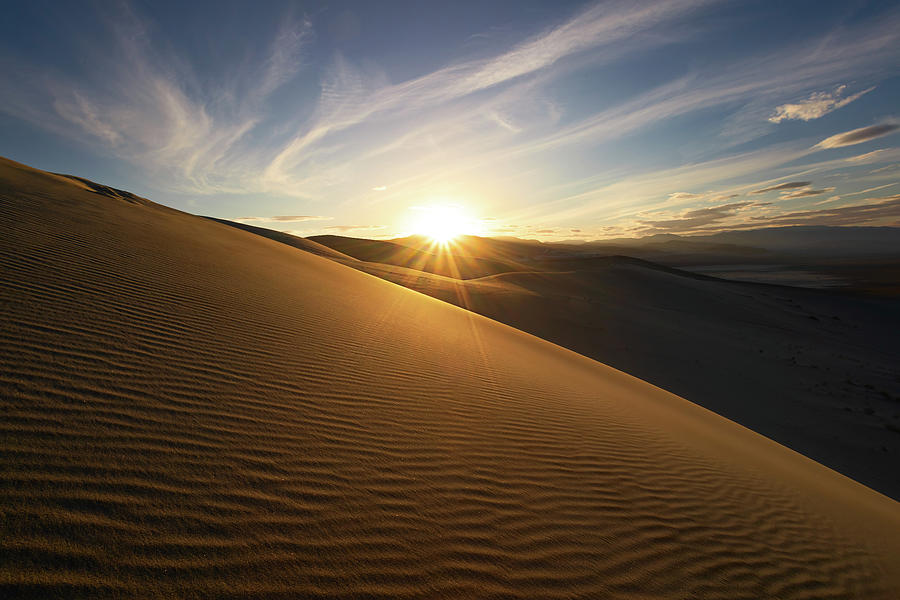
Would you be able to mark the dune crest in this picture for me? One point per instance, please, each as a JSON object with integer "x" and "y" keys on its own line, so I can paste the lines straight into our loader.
{"x": 811, "y": 369}
{"x": 190, "y": 409}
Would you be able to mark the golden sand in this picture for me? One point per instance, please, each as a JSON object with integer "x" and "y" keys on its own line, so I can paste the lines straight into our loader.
{"x": 193, "y": 410}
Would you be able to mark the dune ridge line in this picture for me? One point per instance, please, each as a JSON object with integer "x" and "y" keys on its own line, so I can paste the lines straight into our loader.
{"x": 193, "y": 410}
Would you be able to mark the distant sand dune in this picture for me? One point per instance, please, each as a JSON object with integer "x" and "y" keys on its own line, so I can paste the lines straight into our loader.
{"x": 813, "y": 370}
{"x": 193, "y": 410}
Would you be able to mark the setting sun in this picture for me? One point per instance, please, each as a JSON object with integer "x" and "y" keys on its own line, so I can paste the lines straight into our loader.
{"x": 442, "y": 223}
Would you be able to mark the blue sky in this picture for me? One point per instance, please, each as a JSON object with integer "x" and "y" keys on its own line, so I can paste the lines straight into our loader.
{"x": 548, "y": 120}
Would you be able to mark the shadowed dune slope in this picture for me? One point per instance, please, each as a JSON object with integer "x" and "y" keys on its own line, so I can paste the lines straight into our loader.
{"x": 813, "y": 370}
{"x": 190, "y": 409}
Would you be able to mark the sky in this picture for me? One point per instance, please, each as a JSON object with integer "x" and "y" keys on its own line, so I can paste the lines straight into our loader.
{"x": 536, "y": 119}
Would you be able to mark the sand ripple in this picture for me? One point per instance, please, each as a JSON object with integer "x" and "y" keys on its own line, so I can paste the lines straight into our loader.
{"x": 191, "y": 410}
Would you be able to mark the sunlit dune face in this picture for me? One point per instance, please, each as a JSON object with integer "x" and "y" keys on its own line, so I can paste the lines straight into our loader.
{"x": 443, "y": 223}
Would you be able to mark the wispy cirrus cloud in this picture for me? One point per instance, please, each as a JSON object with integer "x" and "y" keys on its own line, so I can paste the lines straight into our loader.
{"x": 679, "y": 197}
{"x": 804, "y": 193}
{"x": 142, "y": 103}
{"x": 790, "y": 185}
{"x": 286, "y": 56}
{"x": 875, "y": 155}
{"x": 599, "y": 25}
{"x": 351, "y": 96}
{"x": 873, "y": 189}
{"x": 147, "y": 111}
{"x": 788, "y": 71}
{"x": 817, "y": 105}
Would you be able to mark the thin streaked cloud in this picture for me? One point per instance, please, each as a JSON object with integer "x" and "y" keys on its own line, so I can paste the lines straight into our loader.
{"x": 872, "y": 189}
{"x": 858, "y": 136}
{"x": 804, "y": 193}
{"x": 790, "y": 185}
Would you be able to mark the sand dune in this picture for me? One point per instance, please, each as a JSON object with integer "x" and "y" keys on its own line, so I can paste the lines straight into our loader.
{"x": 291, "y": 240}
{"x": 192, "y": 410}
{"x": 815, "y": 370}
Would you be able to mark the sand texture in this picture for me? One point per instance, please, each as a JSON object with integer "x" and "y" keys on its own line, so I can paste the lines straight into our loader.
{"x": 193, "y": 410}
{"x": 813, "y": 370}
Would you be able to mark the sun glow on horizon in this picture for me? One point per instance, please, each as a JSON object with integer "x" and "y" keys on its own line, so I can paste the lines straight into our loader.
{"x": 444, "y": 222}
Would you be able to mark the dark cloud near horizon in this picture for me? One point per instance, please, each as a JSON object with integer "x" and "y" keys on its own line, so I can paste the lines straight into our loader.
{"x": 860, "y": 214}
{"x": 884, "y": 211}
{"x": 858, "y": 136}
{"x": 783, "y": 186}
{"x": 695, "y": 219}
